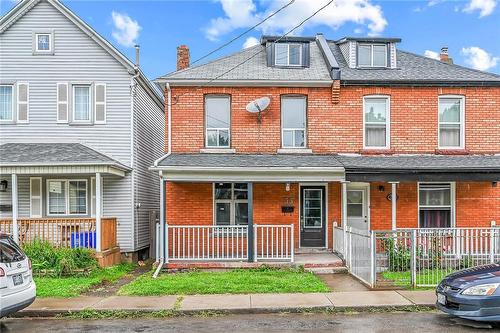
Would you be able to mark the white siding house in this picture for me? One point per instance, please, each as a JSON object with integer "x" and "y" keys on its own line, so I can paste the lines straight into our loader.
{"x": 61, "y": 82}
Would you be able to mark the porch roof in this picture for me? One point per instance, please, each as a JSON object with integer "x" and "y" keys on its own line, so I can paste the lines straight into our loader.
{"x": 250, "y": 167}
{"x": 56, "y": 157}
{"x": 422, "y": 168}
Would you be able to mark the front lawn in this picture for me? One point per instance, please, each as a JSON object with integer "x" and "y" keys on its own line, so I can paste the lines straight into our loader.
{"x": 424, "y": 277}
{"x": 238, "y": 281}
{"x": 72, "y": 286}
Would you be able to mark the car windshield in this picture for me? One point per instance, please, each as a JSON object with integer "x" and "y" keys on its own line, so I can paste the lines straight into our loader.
{"x": 10, "y": 251}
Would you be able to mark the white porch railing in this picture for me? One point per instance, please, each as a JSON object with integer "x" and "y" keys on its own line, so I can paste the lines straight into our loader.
{"x": 207, "y": 242}
{"x": 273, "y": 242}
{"x": 226, "y": 243}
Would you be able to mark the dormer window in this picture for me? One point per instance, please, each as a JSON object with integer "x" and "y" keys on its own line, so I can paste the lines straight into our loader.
{"x": 288, "y": 54}
{"x": 372, "y": 55}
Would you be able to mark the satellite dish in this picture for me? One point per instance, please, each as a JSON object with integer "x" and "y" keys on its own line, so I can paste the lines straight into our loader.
{"x": 258, "y": 105}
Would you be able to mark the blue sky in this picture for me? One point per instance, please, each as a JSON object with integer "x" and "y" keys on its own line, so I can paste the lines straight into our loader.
{"x": 470, "y": 28}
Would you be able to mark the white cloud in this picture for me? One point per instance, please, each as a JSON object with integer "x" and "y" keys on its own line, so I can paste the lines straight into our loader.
{"x": 478, "y": 58}
{"x": 431, "y": 54}
{"x": 244, "y": 13}
{"x": 485, "y": 7}
{"x": 251, "y": 41}
{"x": 126, "y": 30}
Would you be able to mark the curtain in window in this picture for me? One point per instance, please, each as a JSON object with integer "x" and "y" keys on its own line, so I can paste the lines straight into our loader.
{"x": 6, "y": 103}
{"x": 375, "y": 122}
{"x": 449, "y": 122}
{"x": 82, "y": 103}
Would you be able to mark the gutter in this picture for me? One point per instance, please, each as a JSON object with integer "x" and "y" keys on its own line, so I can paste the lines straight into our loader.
{"x": 244, "y": 83}
{"x": 162, "y": 197}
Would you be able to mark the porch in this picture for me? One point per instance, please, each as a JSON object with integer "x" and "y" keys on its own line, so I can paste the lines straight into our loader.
{"x": 55, "y": 192}
{"x": 251, "y": 208}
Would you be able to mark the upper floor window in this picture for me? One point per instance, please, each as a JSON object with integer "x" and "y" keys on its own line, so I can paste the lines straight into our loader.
{"x": 288, "y": 54}
{"x": 376, "y": 122}
{"x": 293, "y": 121}
{"x": 6, "y": 103}
{"x": 217, "y": 121}
{"x": 43, "y": 42}
{"x": 81, "y": 103}
{"x": 372, "y": 55}
{"x": 451, "y": 122}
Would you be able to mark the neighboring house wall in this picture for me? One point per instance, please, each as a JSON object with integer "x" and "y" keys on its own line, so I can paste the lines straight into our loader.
{"x": 338, "y": 128}
{"x": 148, "y": 147}
{"x": 79, "y": 59}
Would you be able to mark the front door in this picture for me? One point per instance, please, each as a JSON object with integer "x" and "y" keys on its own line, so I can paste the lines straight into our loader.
{"x": 312, "y": 216}
{"x": 357, "y": 207}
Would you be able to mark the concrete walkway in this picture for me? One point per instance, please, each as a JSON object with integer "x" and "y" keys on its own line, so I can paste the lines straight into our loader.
{"x": 253, "y": 303}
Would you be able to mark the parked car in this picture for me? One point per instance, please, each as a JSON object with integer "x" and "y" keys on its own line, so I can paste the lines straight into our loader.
{"x": 472, "y": 293}
{"x": 17, "y": 288}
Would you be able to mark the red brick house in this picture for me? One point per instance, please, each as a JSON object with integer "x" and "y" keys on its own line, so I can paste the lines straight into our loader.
{"x": 351, "y": 125}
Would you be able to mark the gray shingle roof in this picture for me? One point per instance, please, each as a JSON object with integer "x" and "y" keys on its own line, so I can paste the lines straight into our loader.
{"x": 18, "y": 154}
{"x": 422, "y": 162}
{"x": 250, "y": 160}
{"x": 254, "y": 69}
{"x": 350, "y": 163}
{"x": 411, "y": 67}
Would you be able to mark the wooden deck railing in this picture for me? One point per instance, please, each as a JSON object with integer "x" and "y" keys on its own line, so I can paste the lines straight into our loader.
{"x": 64, "y": 232}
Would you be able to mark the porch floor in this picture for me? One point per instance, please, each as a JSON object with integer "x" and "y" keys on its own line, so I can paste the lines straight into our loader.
{"x": 313, "y": 261}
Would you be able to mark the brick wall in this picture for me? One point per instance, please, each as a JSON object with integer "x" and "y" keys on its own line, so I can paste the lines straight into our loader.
{"x": 336, "y": 128}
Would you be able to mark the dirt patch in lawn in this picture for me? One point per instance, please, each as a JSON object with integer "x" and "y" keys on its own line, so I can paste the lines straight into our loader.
{"x": 110, "y": 289}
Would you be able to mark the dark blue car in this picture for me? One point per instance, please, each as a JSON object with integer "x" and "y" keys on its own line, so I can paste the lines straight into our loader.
{"x": 472, "y": 293}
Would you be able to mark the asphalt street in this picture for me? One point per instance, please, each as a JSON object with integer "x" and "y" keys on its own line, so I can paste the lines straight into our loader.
{"x": 357, "y": 322}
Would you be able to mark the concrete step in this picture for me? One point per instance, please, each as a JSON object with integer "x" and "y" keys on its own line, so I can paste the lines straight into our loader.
{"x": 327, "y": 270}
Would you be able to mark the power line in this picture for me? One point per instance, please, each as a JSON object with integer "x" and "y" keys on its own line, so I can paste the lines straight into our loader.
{"x": 243, "y": 33}
{"x": 257, "y": 53}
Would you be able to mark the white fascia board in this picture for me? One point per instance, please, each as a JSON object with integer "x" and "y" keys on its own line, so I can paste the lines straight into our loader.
{"x": 244, "y": 83}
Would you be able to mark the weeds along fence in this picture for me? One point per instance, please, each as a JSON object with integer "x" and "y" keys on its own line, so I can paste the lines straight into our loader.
{"x": 415, "y": 257}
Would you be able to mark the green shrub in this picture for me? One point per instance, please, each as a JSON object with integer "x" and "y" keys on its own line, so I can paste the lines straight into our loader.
{"x": 50, "y": 260}
{"x": 398, "y": 255}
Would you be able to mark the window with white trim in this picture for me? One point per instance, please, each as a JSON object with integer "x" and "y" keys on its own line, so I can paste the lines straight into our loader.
{"x": 376, "y": 122}
{"x": 43, "y": 42}
{"x": 67, "y": 197}
{"x": 231, "y": 203}
{"x": 287, "y": 54}
{"x": 217, "y": 121}
{"x": 436, "y": 201}
{"x": 81, "y": 103}
{"x": 451, "y": 122}
{"x": 6, "y": 102}
{"x": 293, "y": 121}
{"x": 372, "y": 55}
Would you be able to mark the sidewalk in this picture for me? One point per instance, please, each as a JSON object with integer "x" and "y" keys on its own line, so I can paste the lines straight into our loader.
{"x": 253, "y": 303}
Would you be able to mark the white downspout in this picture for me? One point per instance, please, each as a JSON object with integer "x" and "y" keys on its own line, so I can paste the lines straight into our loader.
{"x": 163, "y": 251}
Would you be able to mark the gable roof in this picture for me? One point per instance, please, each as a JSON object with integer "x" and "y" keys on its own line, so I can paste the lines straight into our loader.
{"x": 24, "y": 6}
{"x": 254, "y": 70}
{"x": 414, "y": 69}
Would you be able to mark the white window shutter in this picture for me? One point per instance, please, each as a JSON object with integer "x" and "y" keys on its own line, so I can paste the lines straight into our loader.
{"x": 62, "y": 102}
{"x": 100, "y": 103}
{"x": 22, "y": 102}
{"x": 36, "y": 197}
{"x": 92, "y": 195}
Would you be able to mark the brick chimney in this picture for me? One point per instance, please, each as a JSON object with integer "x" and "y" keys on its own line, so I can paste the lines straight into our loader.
{"x": 182, "y": 57}
{"x": 443, "y": 55}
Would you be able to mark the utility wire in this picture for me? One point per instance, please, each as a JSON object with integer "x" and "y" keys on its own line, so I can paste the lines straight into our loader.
{"x": 242, "y": 34}
{"x": 257, "y": 53}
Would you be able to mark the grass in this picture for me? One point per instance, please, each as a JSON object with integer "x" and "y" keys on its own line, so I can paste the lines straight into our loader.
{"x": 76, "y": 285}
{"x": 238, "y": 281}
{"x": 427, "y": 276}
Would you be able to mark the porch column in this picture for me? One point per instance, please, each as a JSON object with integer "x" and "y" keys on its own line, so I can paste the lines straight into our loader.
{"x": 15, "y": 229}
{"x": 344, "y": 214}
{"x": 394, "y": 199}
{"x": 250, "y": 231}
{"x": 98, "y": 210}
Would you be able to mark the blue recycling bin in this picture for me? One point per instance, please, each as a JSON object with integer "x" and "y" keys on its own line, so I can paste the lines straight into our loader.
{"x": 85, "y": 239}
